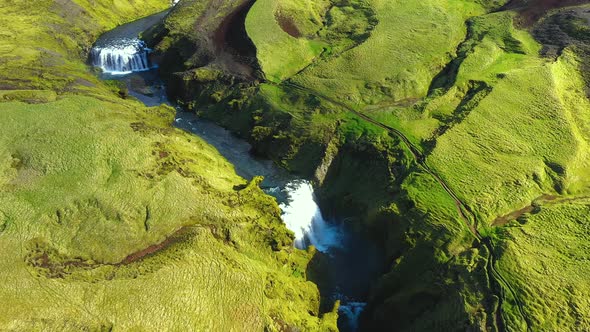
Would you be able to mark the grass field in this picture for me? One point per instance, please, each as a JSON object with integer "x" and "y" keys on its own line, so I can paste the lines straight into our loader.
{"x": 280, "y": 54}
{"x": 84, "y": 189}
{"x": 521, "y": 137}
{"x": 545, "y": 256}
{"x": 522, "y": 140}
{"x": 111, "y": 219}
{"x": 411, "y": 43}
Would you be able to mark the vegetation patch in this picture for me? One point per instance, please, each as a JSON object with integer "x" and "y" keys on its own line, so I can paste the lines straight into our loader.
{"x": 95, "y": 186}
{"x": 437, "y": 127}
{"x": 554, "y": 263}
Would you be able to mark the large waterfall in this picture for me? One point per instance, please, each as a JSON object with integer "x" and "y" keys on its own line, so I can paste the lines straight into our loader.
{"x": 302, "y": 215}
{"x": 122, "y": 56}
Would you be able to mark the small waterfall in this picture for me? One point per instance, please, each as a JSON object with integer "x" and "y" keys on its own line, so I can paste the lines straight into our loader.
{"x": 302, "y": 215}
{"x": 122, "y": 56}
{"x": 350, "y": 313}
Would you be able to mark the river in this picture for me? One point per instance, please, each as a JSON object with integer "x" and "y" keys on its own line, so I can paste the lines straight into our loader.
{"x": 345, "y": 264}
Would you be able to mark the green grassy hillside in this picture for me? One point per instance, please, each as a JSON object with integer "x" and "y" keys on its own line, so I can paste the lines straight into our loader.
{"x": 111, "y": 219}
{"x": 431, "y": 125}
{"x": 524, "y": 138}
{"x": 545, "y": 254}
{"x": 284, "y": 47}
{"x": 408, "y": 46}
{"x": 88, "y": 184}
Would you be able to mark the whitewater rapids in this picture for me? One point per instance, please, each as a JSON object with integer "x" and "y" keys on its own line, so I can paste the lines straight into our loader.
{"x": 302, "y": 215}
{"x": 121, "y": 57}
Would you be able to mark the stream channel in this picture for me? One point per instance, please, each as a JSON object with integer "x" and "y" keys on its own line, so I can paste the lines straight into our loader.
{"x": 346, "y": 264}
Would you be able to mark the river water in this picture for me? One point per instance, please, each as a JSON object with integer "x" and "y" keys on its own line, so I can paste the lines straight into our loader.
{"x": 346, "y": 264}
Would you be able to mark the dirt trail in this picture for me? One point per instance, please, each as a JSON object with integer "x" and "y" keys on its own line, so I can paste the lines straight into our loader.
{"x": 136, "y": 256}
{"x": 464, "y": 211}
{"x": 530, "y": 13}
{"x": 503, "y": 220}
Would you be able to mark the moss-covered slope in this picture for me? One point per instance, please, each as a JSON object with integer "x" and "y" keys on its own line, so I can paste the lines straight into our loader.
{"x": 433, "y": 124}
{"x": 111, "y": 219}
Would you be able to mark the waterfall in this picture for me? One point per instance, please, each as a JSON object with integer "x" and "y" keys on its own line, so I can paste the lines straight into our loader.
{"x": 350, "y": 313}
{"x": 302, "y": 215}
{"x": 122, "y": 56}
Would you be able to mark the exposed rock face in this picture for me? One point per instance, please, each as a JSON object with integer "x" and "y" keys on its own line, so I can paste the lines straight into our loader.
{"x": 533, "y": 10}
{"x": 206, "y": 34}
{"x": 331, "y": 153}
{"x": 566, "y": 27}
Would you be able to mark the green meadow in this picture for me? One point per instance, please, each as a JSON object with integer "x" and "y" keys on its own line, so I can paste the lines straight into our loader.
{"x": 504, "y": 127}
{"x": 110, "y": 218}
{"x": 448, "y": 132}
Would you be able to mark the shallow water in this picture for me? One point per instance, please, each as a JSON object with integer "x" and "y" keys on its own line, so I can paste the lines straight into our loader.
{"x": 346, "y": 263}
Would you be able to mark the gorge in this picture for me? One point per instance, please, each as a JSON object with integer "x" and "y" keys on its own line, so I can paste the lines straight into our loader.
{"x": 296, "y": 196}
{"x": 294, "y": 165}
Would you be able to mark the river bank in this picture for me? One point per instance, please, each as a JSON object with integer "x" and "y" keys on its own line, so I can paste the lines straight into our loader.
{"x": 93, "y": 184}
{"x": 346, "y": 263}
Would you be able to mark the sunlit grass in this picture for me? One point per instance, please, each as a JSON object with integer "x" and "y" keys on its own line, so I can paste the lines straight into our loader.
{"x": 88, "y": 178}
{"x": 280, "y": 54}
{"x": 412, "y": 41}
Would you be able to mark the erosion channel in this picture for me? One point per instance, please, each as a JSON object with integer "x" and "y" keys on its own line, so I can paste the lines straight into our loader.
{"x": 345, "y": 264}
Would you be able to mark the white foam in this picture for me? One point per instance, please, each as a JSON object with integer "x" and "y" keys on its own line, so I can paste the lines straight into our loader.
{"x": 352, "y": 311}
{"x": 122, "y": 57}
{"x": 302, "y": 215}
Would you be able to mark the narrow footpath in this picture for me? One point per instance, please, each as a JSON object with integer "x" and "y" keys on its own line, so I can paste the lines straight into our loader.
{"x": 464, "y": 211}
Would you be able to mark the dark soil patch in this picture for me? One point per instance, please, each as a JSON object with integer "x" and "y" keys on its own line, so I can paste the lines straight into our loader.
{"x": 49, "y": 261}
{"x": 287, "y": 24}
{"x": 564, "y": 28}
{"x": 53, "y": 264}
{"x": 234, "y": 50}
{"x": 532, "y": 10}
{"x": 501, "y": 221}
{"x": 136, "y": 256}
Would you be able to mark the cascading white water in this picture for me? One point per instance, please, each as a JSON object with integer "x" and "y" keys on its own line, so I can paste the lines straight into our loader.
{"x": 352, "y": 311}
{"x": 122, "y": 56}
{"x": 302, "y": 215}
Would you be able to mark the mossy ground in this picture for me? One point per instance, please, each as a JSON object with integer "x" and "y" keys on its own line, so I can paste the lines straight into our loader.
{"x": 281, "y": 53}
{"x": 469, "y": 89}
{"x": 111, "y": 219}
{"x": 545, "y": 254}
